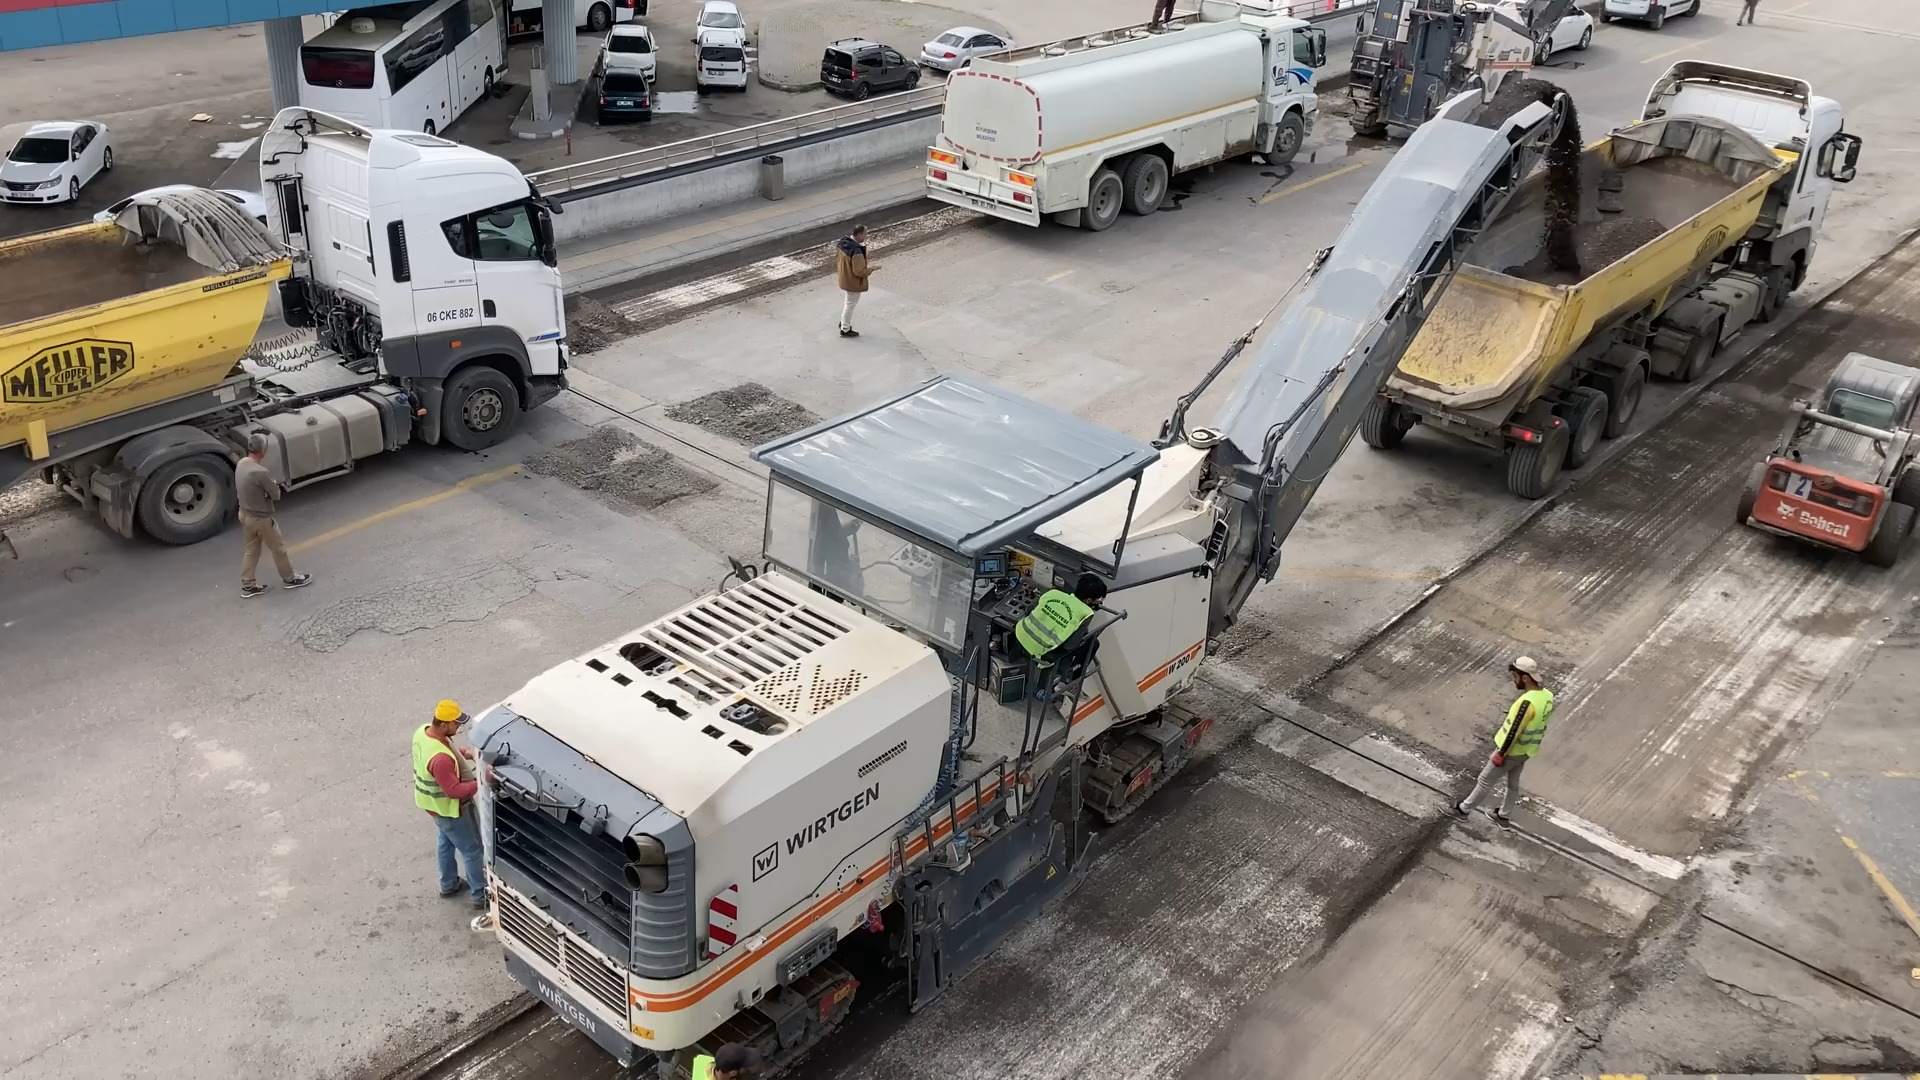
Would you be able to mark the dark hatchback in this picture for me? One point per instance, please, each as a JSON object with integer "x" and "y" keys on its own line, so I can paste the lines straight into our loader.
{"x": 858, "y": 67}
{"x": 624, "y": 97}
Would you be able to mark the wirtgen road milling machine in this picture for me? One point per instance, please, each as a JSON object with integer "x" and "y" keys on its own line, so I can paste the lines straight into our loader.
{"x": 847, "y": 749}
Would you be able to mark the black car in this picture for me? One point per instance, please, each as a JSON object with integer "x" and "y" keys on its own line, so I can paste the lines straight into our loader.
{"x": 858, "y": 67}
{"x": 625, "y": 97}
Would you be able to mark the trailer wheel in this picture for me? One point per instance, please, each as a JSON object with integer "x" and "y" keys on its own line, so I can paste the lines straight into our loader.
{"x": 1104, "y": 198}
{"x": 1585, "y": 411}
{"x": 187, "y": 500}
{"x": 1287, "y": 139}
{"x": 1383, "y": 423}
{"x": 1906, "y": 490}
{"x": 1884, "y": 549}
{"x": 1532, "y": 468}
{"x": 479, "y": 408}
{"x": 1146, "y": 183}
{"x": 1624, "y": 390}
{"x": 1750, "y": 494}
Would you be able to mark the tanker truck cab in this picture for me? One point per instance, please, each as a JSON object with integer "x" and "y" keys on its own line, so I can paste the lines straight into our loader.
{"x": 1085, "y": 128}
{"x": 430, "y": 262}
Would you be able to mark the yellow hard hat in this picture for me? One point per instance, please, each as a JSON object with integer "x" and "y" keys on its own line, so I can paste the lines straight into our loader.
{"x": 449, "y": 712}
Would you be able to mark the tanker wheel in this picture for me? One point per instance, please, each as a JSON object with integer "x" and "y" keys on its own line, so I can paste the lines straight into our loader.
{"x": 1585, "y": 411}
{"x": 1287, "y": 139}
{"x": 1884, "y": 549}
{"x": 1145, "y": 181}
{"x": 187, "y": 500}
{"x": 1750, "y": 494}
{"x": 1532, "y": 468}
{"x": 1104, "y": 198}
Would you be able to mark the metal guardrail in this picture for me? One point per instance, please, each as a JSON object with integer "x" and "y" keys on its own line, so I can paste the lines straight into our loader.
{"x": 624, "y": 170}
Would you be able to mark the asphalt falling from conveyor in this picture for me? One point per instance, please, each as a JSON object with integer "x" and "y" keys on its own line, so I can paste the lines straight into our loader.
{"x": 1563, "y": 165}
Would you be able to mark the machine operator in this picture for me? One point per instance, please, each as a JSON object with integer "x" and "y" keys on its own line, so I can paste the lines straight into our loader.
{"x": 1057, "y": 615}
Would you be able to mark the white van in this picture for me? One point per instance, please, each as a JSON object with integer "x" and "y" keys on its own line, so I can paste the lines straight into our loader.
{"x": 720, "y": 60}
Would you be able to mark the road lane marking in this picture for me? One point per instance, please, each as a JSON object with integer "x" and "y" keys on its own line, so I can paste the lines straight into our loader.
{"x": 1681, "y": 49}
{"x": 404, "y": 508}
{"x": 1898, "y": 901}
{"x": 1058, "y": 276}
{"x": 1342, "y": 171}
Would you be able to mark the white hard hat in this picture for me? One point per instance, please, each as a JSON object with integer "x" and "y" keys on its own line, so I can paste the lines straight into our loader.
{"x": 1527, "y": 664}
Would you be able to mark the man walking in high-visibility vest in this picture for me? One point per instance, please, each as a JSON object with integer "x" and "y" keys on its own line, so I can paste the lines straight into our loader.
{"x": 1517, "y": 741}
{"x": 731, "y": 1062}
{"x": 443, "y": 786}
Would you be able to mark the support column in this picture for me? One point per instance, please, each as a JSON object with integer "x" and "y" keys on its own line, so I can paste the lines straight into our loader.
{"x": 284, "y": 36}
{"x": 557, "y": 42}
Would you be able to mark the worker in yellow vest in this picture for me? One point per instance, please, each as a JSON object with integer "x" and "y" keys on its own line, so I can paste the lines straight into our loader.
{"x": 731, "y": 1062}
{"x": 1515, "y": 744}
{"x": 1056, "y": 615}
{"x": 443, "y": 786}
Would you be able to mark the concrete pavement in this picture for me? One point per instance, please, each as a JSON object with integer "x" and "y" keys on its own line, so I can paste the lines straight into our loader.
{"x": 268, "y": 901}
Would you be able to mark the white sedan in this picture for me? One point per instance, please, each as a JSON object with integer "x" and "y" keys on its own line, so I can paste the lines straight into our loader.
{"x": 960, "y": 46}
{"x": 54, "y": 160}
{"x": 629, "y": 50}
{"x": 1574, "y": 31}
{"x": 249, "y": 201}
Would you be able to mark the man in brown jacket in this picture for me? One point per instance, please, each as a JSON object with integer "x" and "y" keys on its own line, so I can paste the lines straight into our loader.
{"x": 258, "y": 491}
{"x": 851, "y": 263}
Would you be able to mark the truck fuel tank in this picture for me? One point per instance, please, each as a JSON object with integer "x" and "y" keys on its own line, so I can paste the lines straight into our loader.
{"x": 325, "y": 438}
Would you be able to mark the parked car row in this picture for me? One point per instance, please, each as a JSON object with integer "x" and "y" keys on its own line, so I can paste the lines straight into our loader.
{"x": 629, "y": 61}
{"x": 857, "y": 67}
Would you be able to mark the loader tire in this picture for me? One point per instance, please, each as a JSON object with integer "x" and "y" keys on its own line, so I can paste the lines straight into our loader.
{"x": 187, "y": 500}
{"x": 1743, "y": 510}
{"x": 1383, "y": 424}
{"x": 1532, "y": 468}
{"x": 1906, "y": 490}
{"x": 1884, "y": 549}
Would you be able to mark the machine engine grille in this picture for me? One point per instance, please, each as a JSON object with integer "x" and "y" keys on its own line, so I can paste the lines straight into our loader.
{"x": 604, "y": 981}
{"x": 743, "y": 636}
{"x": 588, "y": 869}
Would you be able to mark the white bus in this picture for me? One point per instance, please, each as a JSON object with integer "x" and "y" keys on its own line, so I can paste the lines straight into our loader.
{"x": 523, "y": 16}
{"x": 413, "y": 66}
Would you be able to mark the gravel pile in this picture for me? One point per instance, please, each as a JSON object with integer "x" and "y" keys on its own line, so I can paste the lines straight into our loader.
{"x": 1600, "y": 244}
{"x": 592, "y": 325}
{"x": 748, "y": 413}
{"x": 628, "y": 472}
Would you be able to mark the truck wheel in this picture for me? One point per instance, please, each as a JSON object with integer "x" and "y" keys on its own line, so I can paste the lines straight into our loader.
{"x": 1750, "y": 494}
{"x": 1383, "y": 423}
{"x": 1585, "y": 411}
{"x": 479, "y": 408}
{"x": 1906, "y": 490}
{"x": 1104, "y": 198}
{"x": 599, "y": 17}
{"x": 1884, "y": 549}
{"x": 1699, "y": 355}
{"x": 1533, "y": 467}
{"x": 188, "y": 500}
{"x": 1624, "y": 390}
{"x": 1287, "y": 139}
{"x": 1146, "y": 183}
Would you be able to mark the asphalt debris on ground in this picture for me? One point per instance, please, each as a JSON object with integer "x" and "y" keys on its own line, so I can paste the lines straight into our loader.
{"x": 592, "y": 325}
{"x": 749, "y": 413}
{"x": 631, "y": 473}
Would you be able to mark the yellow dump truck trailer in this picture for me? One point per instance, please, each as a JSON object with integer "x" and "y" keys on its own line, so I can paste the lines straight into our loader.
{"x": 1692, "y": 223}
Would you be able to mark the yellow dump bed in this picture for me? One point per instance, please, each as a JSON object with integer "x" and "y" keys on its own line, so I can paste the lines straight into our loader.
{"x": 94, "y": 321}
{"x": 1690, "y": 188}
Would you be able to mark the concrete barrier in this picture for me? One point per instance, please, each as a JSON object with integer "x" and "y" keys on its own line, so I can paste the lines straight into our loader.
{"x": 659, "y": 200}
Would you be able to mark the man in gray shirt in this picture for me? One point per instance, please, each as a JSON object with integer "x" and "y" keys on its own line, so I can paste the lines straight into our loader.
{"x": 258, "y": 491}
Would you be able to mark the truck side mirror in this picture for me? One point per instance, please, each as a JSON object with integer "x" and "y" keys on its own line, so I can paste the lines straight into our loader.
{"x": 1839, "y": 157}
{"x": 1319, "y": 48}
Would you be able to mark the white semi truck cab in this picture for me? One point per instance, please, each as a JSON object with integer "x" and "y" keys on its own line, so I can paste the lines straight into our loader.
{"x": 426, "y": 263}
{"x": 1083, "y": 129}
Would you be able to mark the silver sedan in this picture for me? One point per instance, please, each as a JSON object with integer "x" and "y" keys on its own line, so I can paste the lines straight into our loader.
{"x": 959, "y": 47}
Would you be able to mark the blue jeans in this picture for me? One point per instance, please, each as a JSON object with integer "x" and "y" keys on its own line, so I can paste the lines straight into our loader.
{"x": 462, "y": 834}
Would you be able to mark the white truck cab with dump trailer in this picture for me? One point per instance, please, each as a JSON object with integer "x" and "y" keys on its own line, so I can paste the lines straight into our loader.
{"x": 1084, "y": 128}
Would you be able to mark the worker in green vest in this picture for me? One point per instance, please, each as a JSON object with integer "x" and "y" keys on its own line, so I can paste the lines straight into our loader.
{"x": 443, "y": 784}
{"x": 1517, "y": 741}
{"x": 1056, "y": 615}
{"x": 731, "y": 1062}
